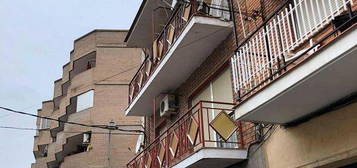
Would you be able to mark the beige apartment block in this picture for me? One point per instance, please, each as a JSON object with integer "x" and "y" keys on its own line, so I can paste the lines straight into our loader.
{"x": 93, "y": 91}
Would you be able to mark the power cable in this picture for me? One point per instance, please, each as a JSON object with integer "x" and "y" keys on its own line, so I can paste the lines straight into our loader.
{"x": 116, "y": 127}
{"x": 35, "y": 129}
{"x": 6, "y": 115}
{"x": 19, "y": 128}
{"x": 52, "y": 119}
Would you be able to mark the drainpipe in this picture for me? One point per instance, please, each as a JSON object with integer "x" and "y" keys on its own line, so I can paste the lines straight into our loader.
{"x": 111, "y": 126}
{"x": 233, "y": 17}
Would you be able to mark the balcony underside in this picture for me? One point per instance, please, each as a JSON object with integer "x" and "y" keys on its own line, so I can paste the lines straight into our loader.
{"x": 327, "y": 77}
{"x": 197, "y": 41}
{"x": 213, "y": 158}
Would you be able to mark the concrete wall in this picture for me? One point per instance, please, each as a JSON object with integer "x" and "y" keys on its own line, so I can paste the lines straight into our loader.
{"x": 318, "y": 142}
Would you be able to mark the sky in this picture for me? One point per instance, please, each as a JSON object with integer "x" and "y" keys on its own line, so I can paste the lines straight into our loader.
{"x": 36, "y": 37}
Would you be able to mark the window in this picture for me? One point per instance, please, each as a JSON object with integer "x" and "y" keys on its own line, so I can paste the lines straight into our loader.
{"x": 218, "y": 90}
{"x": 85, "y": 101}
{"x": 44, "y": 123}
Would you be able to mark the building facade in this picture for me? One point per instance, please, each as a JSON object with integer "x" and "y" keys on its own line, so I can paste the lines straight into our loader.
{"x": 92, "y": 91}
{"x": 245, "y": 83}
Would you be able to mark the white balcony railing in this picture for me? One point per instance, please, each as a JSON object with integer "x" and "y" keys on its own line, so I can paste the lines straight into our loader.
{"x": 280, "y": 40}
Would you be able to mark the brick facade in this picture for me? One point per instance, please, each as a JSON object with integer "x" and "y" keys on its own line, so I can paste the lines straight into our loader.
{"x": 115, "y": 65}
{"x": 218, "y": 60}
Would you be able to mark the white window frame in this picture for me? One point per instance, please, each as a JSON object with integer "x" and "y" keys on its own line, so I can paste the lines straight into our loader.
{"x": 88, "y": 101}
{"x": 44, "y": 123}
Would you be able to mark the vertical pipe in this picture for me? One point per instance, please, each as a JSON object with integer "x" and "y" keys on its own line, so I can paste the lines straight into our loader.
{"x": 240, "y": 128}
{"x": 233, "y": 18}
{"x": 109, "y": 148}
{"x": 241, "y": 19}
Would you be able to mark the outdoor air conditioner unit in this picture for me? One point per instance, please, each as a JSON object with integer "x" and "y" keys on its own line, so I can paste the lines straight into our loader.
{"x": 86, "y": 138}
{"x": 168, "y": 105}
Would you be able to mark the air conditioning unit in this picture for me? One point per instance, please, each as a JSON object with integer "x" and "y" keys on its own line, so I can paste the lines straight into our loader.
{"x": 86, "y": 138}
{"x": 168, "y": 105}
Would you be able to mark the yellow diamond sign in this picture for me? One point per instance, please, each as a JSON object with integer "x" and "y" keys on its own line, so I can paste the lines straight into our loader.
{"x": 161, "y": 153}
{"x": 192, "y": 131}
{"x": 174, "y": 144}
{"x": 223, "y": 125}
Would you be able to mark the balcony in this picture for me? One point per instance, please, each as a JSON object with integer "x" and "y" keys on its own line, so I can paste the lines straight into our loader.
{"x": 302, "y": 59}
{"x": 181, "y": 46}
{"x": 205, "y": 136}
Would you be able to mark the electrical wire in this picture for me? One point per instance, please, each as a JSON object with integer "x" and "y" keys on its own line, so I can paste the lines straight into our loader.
{"x": 126, "y": 70}
{"x": 116, "y": 127}
{"x": 222, "y": 8}
{"x": 19, "y": 128}
{"x": 113, "y": 133}
{"x": 52, "y": 119}
{"x": 6, "y": 115}
{"x": 75, "y": 132}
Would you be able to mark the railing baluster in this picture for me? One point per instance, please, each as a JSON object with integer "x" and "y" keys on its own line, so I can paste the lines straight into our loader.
{"x": 280, "y": 36}
{"x": 292, "y": 18}
{"x": 272, "y": 40}
{"x": 313, "y": 12}
{"x": 309, "y": 28}
{"x": 263, "y": 54}
{"x": 249, "y": 64}
{"x": 238, "y": 72}
{"x": 257, "y": 58}
{"x": 253, "y": 62}
{"x": 242, "y": 67}
{"x": 337, "y": 7}
{"x": 289, "y": 28}
{"x": 331, "y": 10}
{"x": 245, "y": 59}
{"x": 234, "y": 69}
{"x": 302, "y": 26}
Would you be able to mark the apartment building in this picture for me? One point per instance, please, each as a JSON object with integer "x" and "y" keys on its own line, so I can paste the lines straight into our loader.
{"x": 92, "y": 91}
{"x": 245, "y": 83}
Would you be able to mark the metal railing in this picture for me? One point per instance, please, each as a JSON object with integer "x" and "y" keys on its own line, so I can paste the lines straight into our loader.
{"x": 180, "y": 140}
{"x": 281, "y": 39}
{"x": 168, "y": 36}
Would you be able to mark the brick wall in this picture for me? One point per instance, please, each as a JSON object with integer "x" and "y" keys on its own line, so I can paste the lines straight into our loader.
{"x": 219, "y": 56}
{"x": 115, "y": 66}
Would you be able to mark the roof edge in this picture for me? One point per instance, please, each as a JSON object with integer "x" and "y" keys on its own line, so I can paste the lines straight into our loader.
{"x": 135, "y": 20}
{"x": 100, "y": 30}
